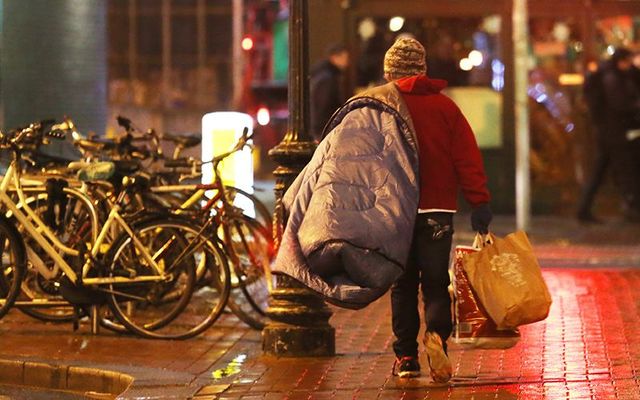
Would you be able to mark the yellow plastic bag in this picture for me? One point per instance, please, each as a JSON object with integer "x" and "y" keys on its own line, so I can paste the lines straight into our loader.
{"x": 473, "y": 328}
{"x": 506, "y": 277}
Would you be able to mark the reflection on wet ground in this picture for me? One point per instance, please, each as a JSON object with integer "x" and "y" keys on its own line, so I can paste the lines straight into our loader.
{"x": 588, "y": 348}
{"x": 8, "y": 392}
{"x": 234, "y": 367}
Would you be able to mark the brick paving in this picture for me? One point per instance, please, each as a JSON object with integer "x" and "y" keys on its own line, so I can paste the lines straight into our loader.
{"x": 588, "y": 348}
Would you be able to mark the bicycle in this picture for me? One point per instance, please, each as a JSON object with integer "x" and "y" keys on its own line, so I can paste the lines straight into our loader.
{"x": 177, "y": 169}
{"x": 247, "y": 242}
{"x": 244, "y": 234}
{"x": 148, "y": 276}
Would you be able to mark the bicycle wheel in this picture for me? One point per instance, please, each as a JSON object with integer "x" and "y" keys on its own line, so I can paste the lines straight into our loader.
{"x": 14, "y": 264}
{"x": 74, "y": 224}
{"x": 250, "y": 251}
{"x": 252, "y": 206}
{"x": 173, "y": 308}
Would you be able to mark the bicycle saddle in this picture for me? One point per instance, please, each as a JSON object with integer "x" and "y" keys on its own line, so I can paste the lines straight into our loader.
{"x": 183, "y": 140}
{"x": 98, "y": 171}
{"x": 96, "y": 144}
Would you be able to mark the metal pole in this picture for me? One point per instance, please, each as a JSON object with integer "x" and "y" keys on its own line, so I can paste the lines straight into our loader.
{"x": 201, "y": 29}
{"x": 133, "y": 42}
{"x": 523, "y": 177}
{"x": 236, "y": 52}
{"x": 299, "y": 319}
{"x": 166, "y": 51}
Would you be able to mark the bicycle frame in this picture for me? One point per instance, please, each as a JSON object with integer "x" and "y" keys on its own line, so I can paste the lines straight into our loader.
{"x": 199, "y": 193}
{"x": 49, "y": 242}
{"x": 219, "y": 202}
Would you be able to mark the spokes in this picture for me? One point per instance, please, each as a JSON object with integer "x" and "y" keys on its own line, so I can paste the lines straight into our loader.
{"x": 174, "y": 307}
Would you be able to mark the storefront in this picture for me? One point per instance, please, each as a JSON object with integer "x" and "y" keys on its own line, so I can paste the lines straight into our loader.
{"x": 469, "y": 44}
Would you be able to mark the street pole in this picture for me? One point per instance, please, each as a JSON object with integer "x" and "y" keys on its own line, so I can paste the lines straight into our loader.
{"x": 523, "y": 176}
{"x": 236, "y": 37}
{"x": 299, "y": 319}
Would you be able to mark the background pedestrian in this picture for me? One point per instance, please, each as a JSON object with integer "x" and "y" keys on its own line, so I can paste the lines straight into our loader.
{"x": 613, "y": 99}
{"x": 326, "y": 87}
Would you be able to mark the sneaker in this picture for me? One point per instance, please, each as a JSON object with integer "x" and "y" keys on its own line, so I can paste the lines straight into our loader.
{"x": 439, "y": 363}
{"x": 406, "y": 367}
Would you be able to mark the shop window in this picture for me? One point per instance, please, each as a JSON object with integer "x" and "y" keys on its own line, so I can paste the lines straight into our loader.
{"x": 557, "y": 126}
{"x": 463, "y": 51}
{"x": 184, "y": 43}
{"x": 149, "y": 34}
{"x": 147, "y": 71}
{"x": 218, "y": 29}
{"x": 617, "y": 31}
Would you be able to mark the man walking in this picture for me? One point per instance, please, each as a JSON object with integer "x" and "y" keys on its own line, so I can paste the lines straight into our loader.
{"x": 326, "y": 87}
{"x": 449, "y": 160}
{"x": 613, "y": 99}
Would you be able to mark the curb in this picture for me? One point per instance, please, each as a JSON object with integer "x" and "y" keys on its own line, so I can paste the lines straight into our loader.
{"x": 93, "y": 382}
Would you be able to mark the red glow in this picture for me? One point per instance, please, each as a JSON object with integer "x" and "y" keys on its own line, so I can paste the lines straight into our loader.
{"x": 247, "y": 43}
{"x": 263, "y": 116}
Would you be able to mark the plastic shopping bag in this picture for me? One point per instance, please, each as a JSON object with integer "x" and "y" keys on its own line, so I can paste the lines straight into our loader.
{"x": 506, "y": 277}
{"x": 472, "y": 326}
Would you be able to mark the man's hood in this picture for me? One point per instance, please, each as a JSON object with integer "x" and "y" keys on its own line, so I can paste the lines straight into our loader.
{"x": 420, "y": 84}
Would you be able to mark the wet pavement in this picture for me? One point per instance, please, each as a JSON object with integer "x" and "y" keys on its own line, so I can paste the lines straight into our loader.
{"x": 9, "y": 392}
{"x": 588, "y": 348}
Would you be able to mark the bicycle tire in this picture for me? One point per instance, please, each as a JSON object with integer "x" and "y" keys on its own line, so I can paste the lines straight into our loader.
{"x": 251, "y": 254}
{"x": 262, "y": 214}
{"x": 13, "y": 273}
{"x": 176, "y": 238}
{"x": 35, "y": 285}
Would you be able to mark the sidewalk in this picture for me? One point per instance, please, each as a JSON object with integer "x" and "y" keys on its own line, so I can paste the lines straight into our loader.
{"x": 588, "y": 348}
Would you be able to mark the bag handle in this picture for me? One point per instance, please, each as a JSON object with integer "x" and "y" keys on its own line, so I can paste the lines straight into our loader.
{"x": 482, "y": 240}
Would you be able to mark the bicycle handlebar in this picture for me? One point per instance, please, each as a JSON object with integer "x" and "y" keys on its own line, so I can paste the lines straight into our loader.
{"x": 34, "y": 134}
{"x": 135, "y": 134}
{"x": 239, "y": 146}
{"x": 193, "y": 165}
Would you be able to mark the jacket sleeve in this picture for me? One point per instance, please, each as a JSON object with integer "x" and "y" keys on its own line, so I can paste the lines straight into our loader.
{"x": 467, "y": 161}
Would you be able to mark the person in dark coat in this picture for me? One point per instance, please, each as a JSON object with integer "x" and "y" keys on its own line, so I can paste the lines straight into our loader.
{"x": 326, "y": 88}
{"x": 449, "y": 160}
{"x": 613, "y": 100}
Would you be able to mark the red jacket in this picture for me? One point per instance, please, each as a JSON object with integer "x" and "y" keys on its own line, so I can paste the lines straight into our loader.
{"x": 448, "y": 153}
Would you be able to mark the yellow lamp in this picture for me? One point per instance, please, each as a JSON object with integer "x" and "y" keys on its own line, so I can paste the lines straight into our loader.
{"x": 220, "y": 133}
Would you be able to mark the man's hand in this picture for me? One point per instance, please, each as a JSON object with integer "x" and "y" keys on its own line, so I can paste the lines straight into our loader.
{"x": 481, "y": 217}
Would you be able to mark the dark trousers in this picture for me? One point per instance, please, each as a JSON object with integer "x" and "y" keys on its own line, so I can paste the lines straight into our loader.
{"x": 620, "y": 157}
{"x": 593, "y": 183}
{"x": 427, "y": 267}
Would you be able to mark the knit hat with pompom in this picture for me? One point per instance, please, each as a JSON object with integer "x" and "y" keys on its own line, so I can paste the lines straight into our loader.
{"x": 405, "y": 58}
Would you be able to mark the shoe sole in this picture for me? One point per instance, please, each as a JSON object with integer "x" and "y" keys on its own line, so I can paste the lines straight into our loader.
{"x": 409, "y": 374}
{"x": 439, "y": 363}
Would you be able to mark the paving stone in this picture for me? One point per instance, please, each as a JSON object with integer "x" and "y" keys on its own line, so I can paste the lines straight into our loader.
{"x": 12, "y": 371}
{"x": 46, "y": 375}
{"x": 588, "y": 348}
